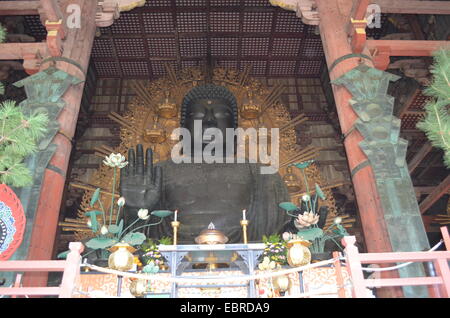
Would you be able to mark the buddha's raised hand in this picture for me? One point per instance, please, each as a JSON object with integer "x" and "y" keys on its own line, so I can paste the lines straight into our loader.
{"x": 140, "y": 183}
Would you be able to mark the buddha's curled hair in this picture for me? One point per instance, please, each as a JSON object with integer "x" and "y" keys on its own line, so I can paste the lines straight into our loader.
{"x": 210, "y": 91}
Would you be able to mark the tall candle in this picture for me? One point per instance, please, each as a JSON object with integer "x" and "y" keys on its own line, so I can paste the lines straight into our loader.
{"x": 243, "y": 214}
{"x": 176, "y": 215}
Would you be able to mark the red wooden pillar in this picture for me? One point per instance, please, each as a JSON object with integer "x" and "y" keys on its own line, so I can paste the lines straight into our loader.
{"x": 336, "y": 44}
{"x": 77, "y": 49}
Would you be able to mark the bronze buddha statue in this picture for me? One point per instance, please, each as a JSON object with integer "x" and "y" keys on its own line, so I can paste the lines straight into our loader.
{"x": 205, "y": 192}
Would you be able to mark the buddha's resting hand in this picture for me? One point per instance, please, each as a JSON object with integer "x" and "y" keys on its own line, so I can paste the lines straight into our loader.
{"x": 140, "y": 183}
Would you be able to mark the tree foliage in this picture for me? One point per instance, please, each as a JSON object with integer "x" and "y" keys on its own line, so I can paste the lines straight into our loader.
{"x": 436, "y": 123}
{"x": 2, "y": 39}
{"x": 19, "y": 133}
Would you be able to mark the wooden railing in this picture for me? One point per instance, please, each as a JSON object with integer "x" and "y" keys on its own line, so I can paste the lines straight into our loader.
{"x": 70, "y": 268}
{"x": 440, "y": 284}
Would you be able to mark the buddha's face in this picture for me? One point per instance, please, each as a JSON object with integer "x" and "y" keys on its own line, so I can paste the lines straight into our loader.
{"x": 213, "y": 113}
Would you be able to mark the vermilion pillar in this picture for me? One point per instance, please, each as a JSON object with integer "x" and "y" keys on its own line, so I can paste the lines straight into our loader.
{"x": 336, "y": 45}
{"x": 75, "y": 59}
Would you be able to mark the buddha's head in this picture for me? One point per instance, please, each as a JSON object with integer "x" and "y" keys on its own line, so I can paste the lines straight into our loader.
{"x": 212, "y": 105}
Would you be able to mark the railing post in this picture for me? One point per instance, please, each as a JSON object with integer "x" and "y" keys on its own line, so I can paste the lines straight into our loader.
{"x": 433, "y": 290}
{"x": 446, "y": 237}
{"x": 17, "y": 283}
{"x": 354, "y": 267}
{"x": 443, "y": 271}
{"x": 72, "y": 271}
{"x": 339, "y": 276}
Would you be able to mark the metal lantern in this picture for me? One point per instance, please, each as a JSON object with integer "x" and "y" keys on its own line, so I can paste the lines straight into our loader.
{"x": 298, "y": 253}
{"x": 138, "y": 287}
{"x": 281, "y": 283}
{"x": 121, "y": 258}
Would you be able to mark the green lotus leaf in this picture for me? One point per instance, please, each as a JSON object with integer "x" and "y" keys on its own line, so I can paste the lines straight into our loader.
{"x": 63, "y": 255}
{"x": 134, "y": 238}
{"x": 288, "y": 206}
{"x": 100, "y": 243}
{"x": 340, "y": 230}
{"x": 114, "y": 229}
{"x": 120, "y": 226}
{"x": 93, "y": 217}
{"x": 95, "y": 197}
{"x": 162, "y": 213}
{"x": 319, "y": 192}
{"x": 310, "y": 234}
{"x": 304, "y": 164}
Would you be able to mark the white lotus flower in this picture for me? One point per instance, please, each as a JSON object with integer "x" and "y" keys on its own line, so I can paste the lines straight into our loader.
{"x": 115, "y": 161}
{"x": 306, "y": 220}
{"x": 143, "y": 214}
{"x": 337, "y": 220}
{"x": 306, "y": 198}
{"x": 287, "y": 236}
{"x": 89, "y": 223}
{"x": 104, "y": 230}
{"x": 121, "y": 201}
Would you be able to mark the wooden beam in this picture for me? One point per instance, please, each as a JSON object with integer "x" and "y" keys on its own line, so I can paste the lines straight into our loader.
{"x": 419, "y": 156}
{"x": 413, "y": 21}
{"x": 424, "y": 189}
{"x": 52, "y": 10}
{"x": 410, "y": 99}
{"x": 437, "y": 193}
{"x": 359, "y": 9}
{"x": 19, "y": 7}
{"x": 431, "y": 226}
{"x": 407, "y": 47}
{"x": 16, "y": 51}
{"x": 413, "y": 6}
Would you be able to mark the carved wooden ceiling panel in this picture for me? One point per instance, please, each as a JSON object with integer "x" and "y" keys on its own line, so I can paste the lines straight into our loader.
{"x": 183, "y": 32}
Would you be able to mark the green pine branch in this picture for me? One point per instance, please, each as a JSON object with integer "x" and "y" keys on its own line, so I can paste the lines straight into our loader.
{"x": 19, "y": 134}
{"x": 436, "y": 123}
{"x": 3, "y": 33}
{"x": 2, "y": 39}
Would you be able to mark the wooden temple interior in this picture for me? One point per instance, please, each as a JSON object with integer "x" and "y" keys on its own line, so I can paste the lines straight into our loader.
{"x": 274, "y": 44}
